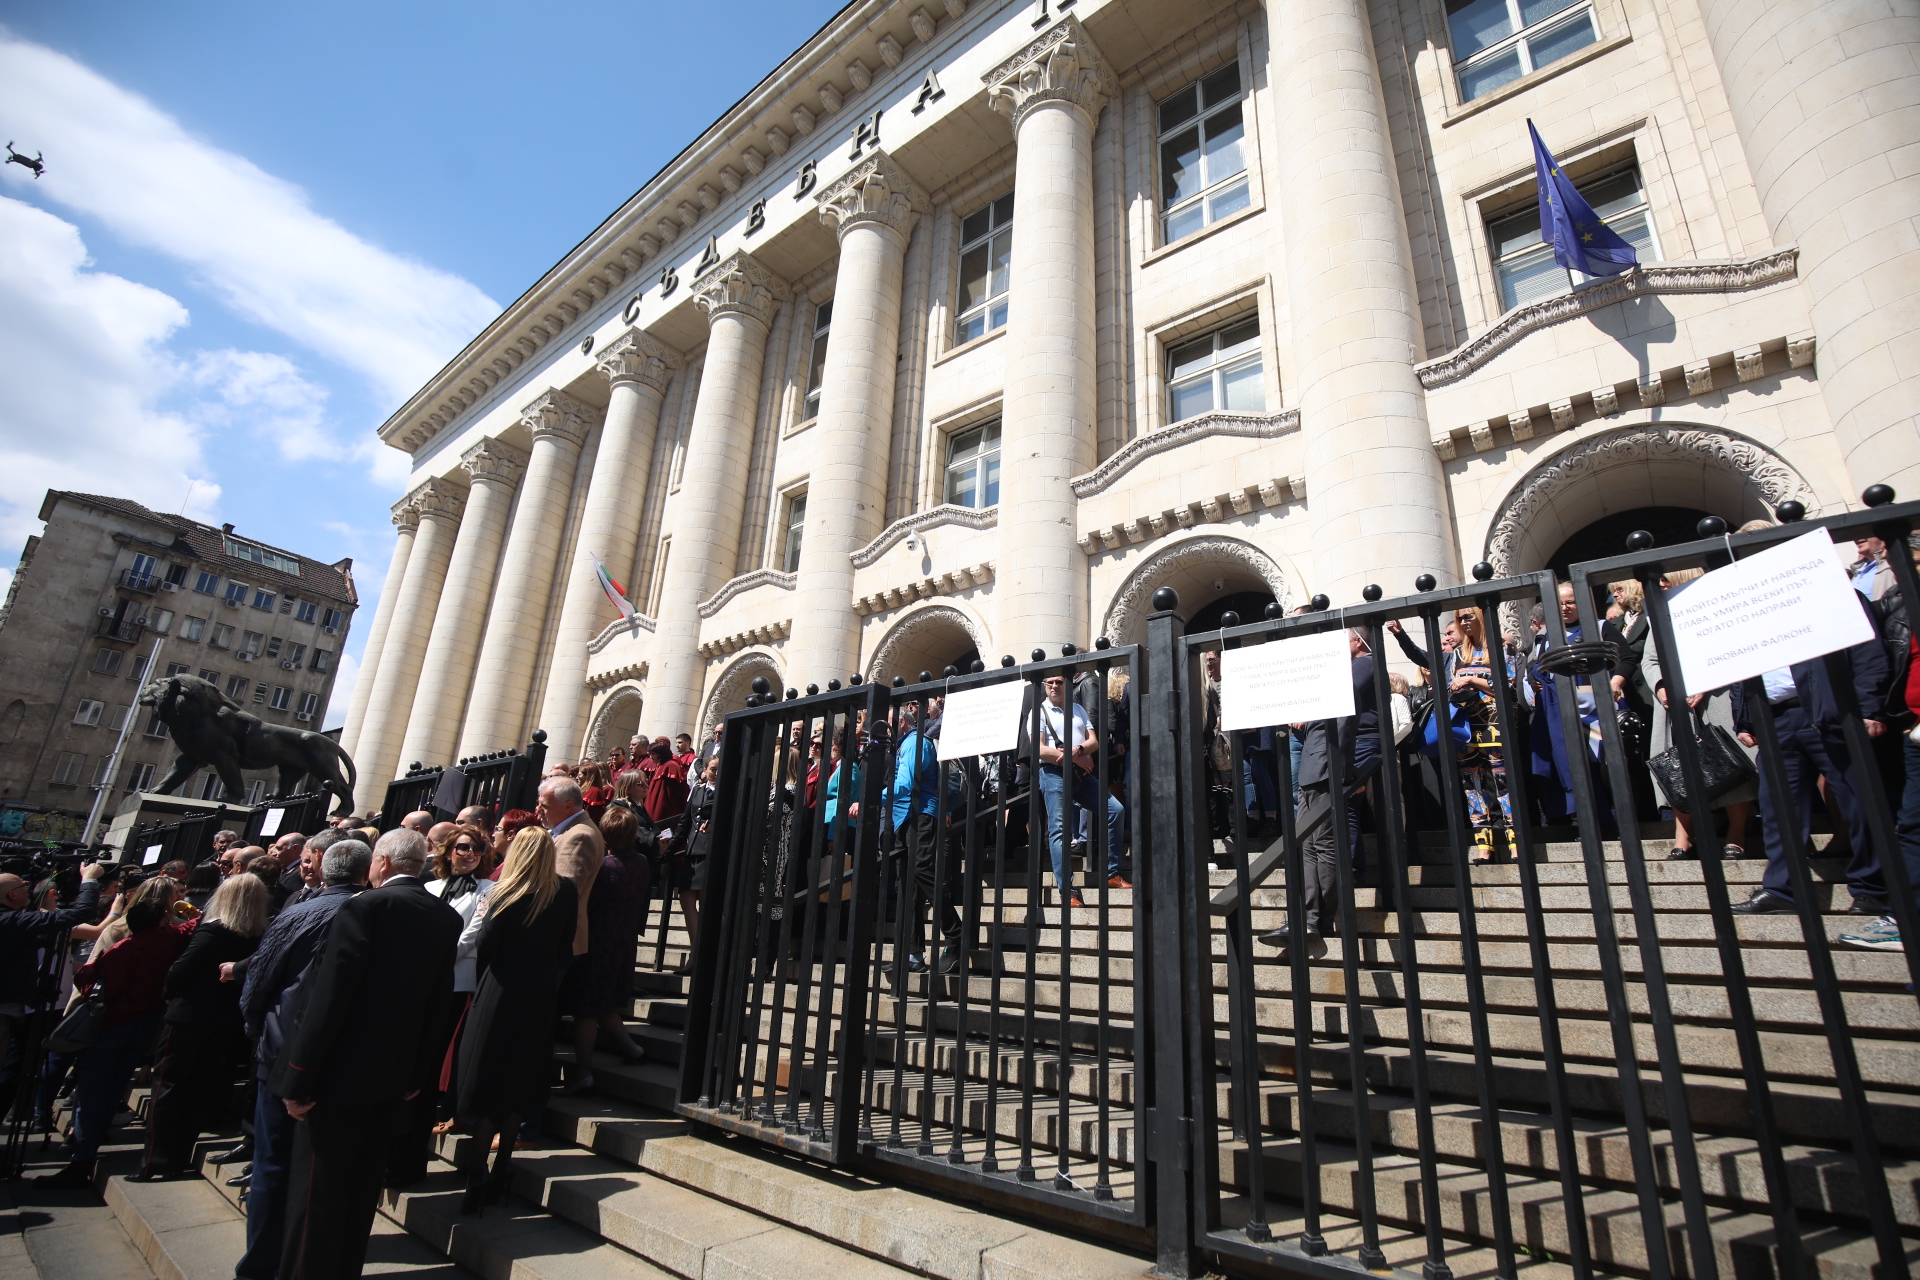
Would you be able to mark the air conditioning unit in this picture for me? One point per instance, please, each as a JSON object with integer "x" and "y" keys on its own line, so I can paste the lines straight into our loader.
{"x": 332, "y": 631}
{"x": 233, "y": 604}
{"x": 244, "y": 657}
{"x": 140, "y": 622}
{"x": 105, "y": 613}
{"x": 169, "y": 586}
{"x": 301, "y": 715}
{"x": 286, "y": 666}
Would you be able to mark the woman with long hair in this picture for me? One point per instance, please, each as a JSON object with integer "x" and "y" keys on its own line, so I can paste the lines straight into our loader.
{"x": 506, "y": 1052}
{"x": 1467, "y": 666}
{"x": 130, "y": 977}
{"x": 204, "y": 1042}
{"x": 595, "y": 794}
{"x": 615, "y": 910}
{"x": 463, "y": 860}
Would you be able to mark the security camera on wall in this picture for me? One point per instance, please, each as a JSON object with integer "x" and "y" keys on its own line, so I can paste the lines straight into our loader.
{"x": 914, "y": 542}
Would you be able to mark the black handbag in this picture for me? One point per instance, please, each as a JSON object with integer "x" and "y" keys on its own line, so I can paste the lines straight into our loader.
{"x": 1724, "y": 766}
{"x": 80, "y": 1028}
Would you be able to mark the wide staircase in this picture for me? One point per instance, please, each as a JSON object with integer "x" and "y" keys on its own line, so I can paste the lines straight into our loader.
{"x": 624, "y": 1187}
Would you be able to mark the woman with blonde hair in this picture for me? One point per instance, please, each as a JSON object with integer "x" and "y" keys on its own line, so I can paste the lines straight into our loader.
{"x": 526, "y": 929}
{"x": 203, "y": 1043}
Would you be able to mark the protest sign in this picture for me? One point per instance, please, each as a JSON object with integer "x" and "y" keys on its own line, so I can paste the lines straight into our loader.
{"x": 1286, "y": 681}
{"x": 982, "y": 721}
{"x": 270, "y": 825}
{"x": 153, "y": 855}
{"x": 1787, "y": 604}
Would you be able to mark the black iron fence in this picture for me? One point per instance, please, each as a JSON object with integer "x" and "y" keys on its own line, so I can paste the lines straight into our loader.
{"x": 502, "y": 780}
{"x": 1469, "y": 1004}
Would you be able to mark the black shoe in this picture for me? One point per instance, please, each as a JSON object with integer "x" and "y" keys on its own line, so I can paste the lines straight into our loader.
{"x": 241, "y": 1179}
{"x": 1677, "y": 854}
{"x": 1764, "y": 903}
{"x": 496, "y": 1188}
{"x": 74, "y": 1177}
{"x": 474, "y": 1200}
{"x": 154, "y": 1175}
{"x": 235, "y": 1155}
{"x": 1279, "y": 937}
{"x": 1865, "y": 904}
{"x": 949, "y": 959}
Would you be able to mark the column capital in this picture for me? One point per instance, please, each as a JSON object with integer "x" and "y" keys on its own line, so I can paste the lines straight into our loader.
{"x": 440, "y": 499}
{"x": 1062, "y": 65}
{"x": 636, "y": 356}
{"x": 739, "y": 286}
{"x": 555, "y": 413}
{"x": 406, "y": 516}
{"x": 496, "y": 462}
{"x": 875, "y": 192}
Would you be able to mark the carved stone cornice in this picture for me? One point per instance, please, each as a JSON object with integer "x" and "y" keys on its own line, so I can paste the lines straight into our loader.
{"x": 745, "y": 582}
{"x": 947, "y": 584}
{"x": 607, "y": 679}
{"x": 620, "y": 627}
{"x": 771, "y": 633}
{"x": 1727, "y": 275}
{"x": 439, "y": 500}
{"x": 920, "y": 521}
{"x": 1062, "y": 66}
{"x": 1216, "y": 508}
{"x": 875, "y": 192}
{"x": 1267, "y": 426}
{"x": 496, "y": 462}
{"x": 739, "y": 285}
{"x": 555, "y": 413}
{"x": 636, "y": 356}
{"x": 406, "y": 517}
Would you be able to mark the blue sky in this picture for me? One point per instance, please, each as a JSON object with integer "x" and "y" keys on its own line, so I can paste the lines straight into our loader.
{"x": 263, "y": 225}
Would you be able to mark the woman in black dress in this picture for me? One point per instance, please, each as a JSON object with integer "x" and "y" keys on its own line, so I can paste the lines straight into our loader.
{"x": 506, "y": 1052}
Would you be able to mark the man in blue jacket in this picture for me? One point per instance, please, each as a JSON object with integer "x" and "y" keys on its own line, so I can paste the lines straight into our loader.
{"x": 1810, "y": 709}
{"x": 914, "y": 796}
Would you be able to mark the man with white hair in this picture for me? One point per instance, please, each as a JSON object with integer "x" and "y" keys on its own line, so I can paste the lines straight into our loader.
{"x": 578, "y": 845}
{"x": 361, "y": 1050}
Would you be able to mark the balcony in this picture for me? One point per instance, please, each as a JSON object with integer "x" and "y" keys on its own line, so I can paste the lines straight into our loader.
{"x": 127, "y": 631}
{"x": 143, "y": 582}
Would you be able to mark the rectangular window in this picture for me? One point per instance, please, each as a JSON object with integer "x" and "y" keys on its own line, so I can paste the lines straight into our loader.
{"x": 156, "y": 727}
{"x": 250, "y": 642}
{"x": 138, "y": 667}
{"x": 102, "y": 774}
{"x": 322, "y": 659}
{"x": 973, "y": 466}
{"x": 106, "y": 662}
{"x": 260, "y": 555}
{"x": 260, "y": 693}
{"x": 307, "y": 611}
{"x": 206, "y": 583}
{"x": 88, "y": 713}
{"x": 142, "y": 572}
{"x": 68, "y": 767}
{"x": 1496, "y": 42}
{"x": 273, "y": 647}
{"x": 817, "y": 363}
{"x": 237, "y": 688}
{"x": 176, "y": 574}
{"x": 211, "y": 677}
{"x": 1523, "y": 261}
{"x": 796, "y": 529}
{"x": 192, "y": 628}
{"x": 178, "y": 668}
{"x": 160, "y": 621}
{"x": 986, "y": 250}
{"x": 282, "y": 698}
{"x": 120, "y": 714}
{"x": 140, "y": 777}
{"x": 237, "y": 593}
{"x": 333, "y": 619}
{"x": 222, "y": 638}
{"x": 210, "y": 788}
{"x": 295, "y": 653}
{"x": 309, "y": 705}
{"x": 1219, "y": 371}
{"x": 256, "y": 791}
{"x": 263, "y": 600}
{"x": 1203, "y": 160}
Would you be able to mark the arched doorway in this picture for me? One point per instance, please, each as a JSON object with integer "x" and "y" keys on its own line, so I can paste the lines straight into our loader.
{"x": 1607, "y": 536}
{"x": 930, "y": 639}
{"x": 1581, "y": 497}
{"x": 1212, "y": 574}
{"x": 735, "y": 683}
{"x": 616, "y": 723}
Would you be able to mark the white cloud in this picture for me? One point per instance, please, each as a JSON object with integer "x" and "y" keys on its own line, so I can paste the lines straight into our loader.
{"x": 252, "y": 237}
{"x": 87, "y": 369}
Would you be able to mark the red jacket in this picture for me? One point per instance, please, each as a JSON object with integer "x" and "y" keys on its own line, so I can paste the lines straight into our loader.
{"x": 666, "y": 789}
{"x": 132, "y": 975}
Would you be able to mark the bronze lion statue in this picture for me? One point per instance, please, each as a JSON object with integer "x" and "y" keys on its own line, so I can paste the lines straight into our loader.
{"x": 212, "y": 731}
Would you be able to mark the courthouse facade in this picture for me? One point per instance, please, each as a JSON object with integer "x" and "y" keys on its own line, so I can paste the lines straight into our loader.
{"x": 975, "y": 322}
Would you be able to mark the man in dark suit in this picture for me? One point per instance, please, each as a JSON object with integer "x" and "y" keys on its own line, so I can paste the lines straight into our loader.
{"x": 358, "y": 1051}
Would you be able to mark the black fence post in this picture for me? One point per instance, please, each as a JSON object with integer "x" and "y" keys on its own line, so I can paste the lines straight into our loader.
{"x": 1163, "y": 773}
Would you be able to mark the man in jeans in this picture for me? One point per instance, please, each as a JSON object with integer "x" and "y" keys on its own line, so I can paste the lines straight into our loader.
{"x": 1067, "y": 740}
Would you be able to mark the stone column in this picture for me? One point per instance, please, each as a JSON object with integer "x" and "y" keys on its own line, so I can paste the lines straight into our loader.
{"x": 1053, "y": 90}
{"x": 446, "y": 677}
{"x": 739, "y": 296}
{"x": 406, "y": 523}
{"x": 873, "y": 209}
{"x": 1824, "y": 96}
{"x": 1375, "y": 492}
{"x": 503, "y": 677}
{"x": 391, "y": 699}
{"x": 638, "y": 369}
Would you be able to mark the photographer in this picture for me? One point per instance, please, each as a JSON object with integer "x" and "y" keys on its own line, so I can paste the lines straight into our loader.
{"x": 22, "y": 934}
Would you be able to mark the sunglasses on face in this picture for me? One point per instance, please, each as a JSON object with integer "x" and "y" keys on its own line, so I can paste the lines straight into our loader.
{"x": 466, "y": 846}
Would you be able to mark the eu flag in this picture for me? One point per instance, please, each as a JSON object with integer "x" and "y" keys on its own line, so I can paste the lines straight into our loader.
{"x": 1581, "y": 242}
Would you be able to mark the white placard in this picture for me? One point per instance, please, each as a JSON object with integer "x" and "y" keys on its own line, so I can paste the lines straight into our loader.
{"x": 1287, "y": 681}
{"x": 153, "y": 855}
{"x": 982, "y": 721}
{"x": 1787, "y": 604}
{"x": 270, "y": 825}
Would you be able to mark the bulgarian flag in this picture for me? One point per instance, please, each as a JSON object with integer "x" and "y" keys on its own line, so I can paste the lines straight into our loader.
{"x": 615, "y": 592}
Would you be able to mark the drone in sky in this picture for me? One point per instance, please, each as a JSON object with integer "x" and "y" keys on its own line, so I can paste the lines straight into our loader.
{"x": 37, "y": 163}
